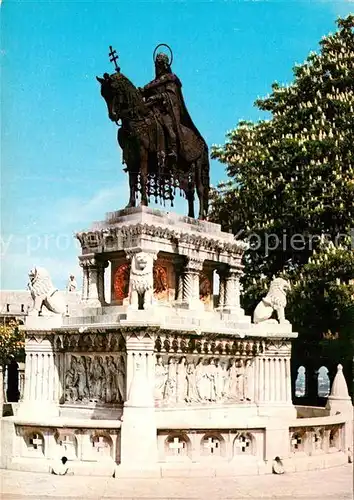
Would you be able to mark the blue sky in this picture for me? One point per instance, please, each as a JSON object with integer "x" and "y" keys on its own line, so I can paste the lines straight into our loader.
{"x": 61, "y": 165}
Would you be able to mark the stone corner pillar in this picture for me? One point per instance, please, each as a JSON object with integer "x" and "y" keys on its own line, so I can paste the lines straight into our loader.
{"x": 93, "y": 281}
{"x": 39, "y": 400}
{"x": 138, "y": 430}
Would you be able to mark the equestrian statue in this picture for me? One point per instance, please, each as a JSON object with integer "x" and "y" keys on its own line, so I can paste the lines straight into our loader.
{"x": 162, "y": 149}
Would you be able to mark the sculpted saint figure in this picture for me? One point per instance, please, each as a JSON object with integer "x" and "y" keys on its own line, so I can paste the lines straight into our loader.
{"x": 98, "y": 376}
{"x": 111, "y": 385}
{"x": 82, "y": 391}
{"x": 210, "y": 377}
{"x": 171, "y": 383}
{"x": 200, "y": 379}
{"x": 121, "y": 379}
{"x": 181, "y": 380}
{"x": 192, "y": 389}
{"x": 219, "y": 379}
{"x": 160, "y": 378}
{"x": 233, "y": 386}
{"x": 70, "y": 381}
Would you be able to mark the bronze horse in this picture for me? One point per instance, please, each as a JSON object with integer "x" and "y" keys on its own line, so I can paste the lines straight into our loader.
{"x": 141, "y": 138}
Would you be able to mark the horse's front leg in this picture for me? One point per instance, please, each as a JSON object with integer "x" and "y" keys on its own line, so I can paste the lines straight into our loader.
{"x": 133, "y": 184}
{"x": 190, "y": 199}
{"x": 144, "y": 176}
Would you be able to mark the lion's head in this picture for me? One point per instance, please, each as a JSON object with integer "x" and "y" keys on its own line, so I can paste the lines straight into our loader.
{"x": 141, "y": 260}
{"x": 277, "y": 292}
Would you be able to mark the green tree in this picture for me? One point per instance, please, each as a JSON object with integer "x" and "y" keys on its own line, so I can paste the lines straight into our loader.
{"x": 12, "y": 343}
{"x": 291, "y": 189}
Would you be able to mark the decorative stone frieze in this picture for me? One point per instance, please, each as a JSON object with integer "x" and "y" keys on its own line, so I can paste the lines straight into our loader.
{"x": 95, "y": 379}
{"x": 203, "y": 379}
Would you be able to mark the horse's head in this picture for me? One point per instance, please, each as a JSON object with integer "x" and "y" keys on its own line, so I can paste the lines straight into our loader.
{"x": 109, "y": 94}
{"x": 122, "y": 98}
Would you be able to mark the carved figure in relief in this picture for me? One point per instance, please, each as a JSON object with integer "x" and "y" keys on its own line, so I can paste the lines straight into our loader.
{"x": 121, "y": 282}
{"x": 70, "y": 381}
{"x": 220, "y": 379}
{"x": 240, "y": 380}
{"x": 120, "y": 380}
{"x": 275, "y": 300}
{"x": 141, "y": 282}
{"x": 200, "y": 380}
{"x": 192, "y": 389}
{"x": 233, "y": 389}
{"x": 204, "y": 288}
{"x": 210, "y": 380}
{"x": 160, "y": 379}
{"x": 98, "y": 377}
{"x": 181, "y": 380}
{"x": 160, "y": 282}
{"x": 82, "y": 389}
{"x": 171, "y": 383}
{"x": 111, "y": 385}
{"x": 43, "y": 293}
{"x": 246, "y": 380}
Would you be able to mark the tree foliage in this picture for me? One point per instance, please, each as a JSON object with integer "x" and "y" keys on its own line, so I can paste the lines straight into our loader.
{"x": 291, "y": 187}
{"x": 12, "y": 342}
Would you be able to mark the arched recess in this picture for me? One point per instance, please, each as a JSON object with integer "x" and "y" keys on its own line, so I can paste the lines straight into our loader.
{"x": 212, "y": 445}
{"x": 177, "y": 446}
{"x": 323, "y": 382}
{"x": 300, "y": 382}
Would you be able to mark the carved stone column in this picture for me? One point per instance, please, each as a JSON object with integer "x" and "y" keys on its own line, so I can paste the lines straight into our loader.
{"x": 91, "y": 281}
{"x": 191, "y": 284}
{"x": 179, "y": 269}
{"x": 21, "y": 380}
{"x": 232, "y": 291}
{"x": 138, "y": 431}
{"x": 100, "y": 281}
{"x": 222, "y": 272}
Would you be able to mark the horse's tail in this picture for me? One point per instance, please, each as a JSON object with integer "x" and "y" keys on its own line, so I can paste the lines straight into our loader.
{"x": 205, "y": 178}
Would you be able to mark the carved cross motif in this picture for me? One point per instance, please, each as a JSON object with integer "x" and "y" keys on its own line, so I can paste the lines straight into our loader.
{"x": 296, "y": 442}
{"x": 243, "y": 443}
{"x": 100, "y": 445}
{"x": 177, "y": 446}
{"x": 212, "y": 444}
{"x": 36, "y": 442}
{"x": 67, "y": 443}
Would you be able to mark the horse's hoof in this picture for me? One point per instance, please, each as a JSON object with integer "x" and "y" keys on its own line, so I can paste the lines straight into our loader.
{"x": 130, "y": 205}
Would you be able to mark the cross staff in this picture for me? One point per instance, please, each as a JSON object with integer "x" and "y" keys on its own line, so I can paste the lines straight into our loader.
{"x": 113, "y": 57}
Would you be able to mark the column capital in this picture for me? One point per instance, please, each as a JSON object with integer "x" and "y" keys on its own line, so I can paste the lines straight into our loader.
{"x": 234, "y": 272}
{"x": 130, "y": 252}
{"x": 193, "y": 265}
{"x": 88, "y": 260}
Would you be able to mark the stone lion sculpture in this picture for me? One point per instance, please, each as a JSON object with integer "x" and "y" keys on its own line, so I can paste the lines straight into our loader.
{"x": 275, "y": 300}
{"x": 44, "y": 293}
{"x": 141, "y": 280}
